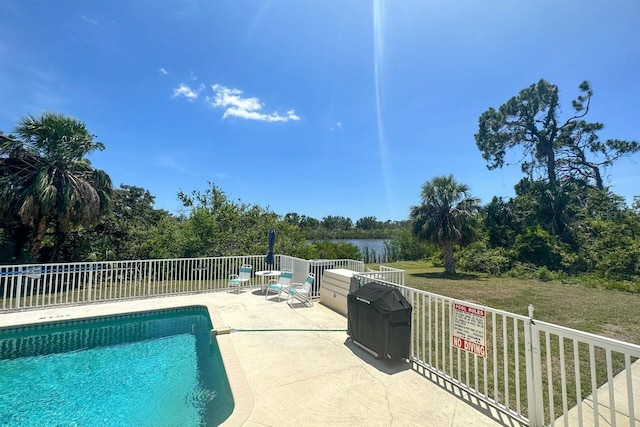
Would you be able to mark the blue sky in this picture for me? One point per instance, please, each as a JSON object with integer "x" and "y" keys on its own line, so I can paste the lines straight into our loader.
{"x": 316, "y": 107}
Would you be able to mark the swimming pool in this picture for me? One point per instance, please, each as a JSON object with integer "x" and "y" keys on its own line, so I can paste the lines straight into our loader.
{"x": 158, "y": 368}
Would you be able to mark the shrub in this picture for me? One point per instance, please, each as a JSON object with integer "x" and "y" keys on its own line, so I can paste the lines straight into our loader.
{"x": 436, "y": 259}
{"x": 522, "y": 270}
{"x": 595, "y": 280}
{"x": 478, "y": 257}
{"x": 328, "y": 250}
{"x": 537, "y": 246}
{"x": 404, "y": 246}
{"x": 544, "y": 275}
{"x": 620, "y": 263}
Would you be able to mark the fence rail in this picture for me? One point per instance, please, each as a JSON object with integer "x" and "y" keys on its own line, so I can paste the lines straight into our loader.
{"x": 584, "y": 379}
{"x": 386, "y": 274}
{"x": 43, "y": 285}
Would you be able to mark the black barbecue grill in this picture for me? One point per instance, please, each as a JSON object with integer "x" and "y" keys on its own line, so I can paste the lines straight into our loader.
{"x": 379, "y": 319}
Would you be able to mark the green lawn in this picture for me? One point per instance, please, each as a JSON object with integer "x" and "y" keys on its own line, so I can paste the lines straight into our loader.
{"x": 604, "y": 312}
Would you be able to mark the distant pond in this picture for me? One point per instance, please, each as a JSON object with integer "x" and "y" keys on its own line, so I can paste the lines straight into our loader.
{"x": 372, "y": 250}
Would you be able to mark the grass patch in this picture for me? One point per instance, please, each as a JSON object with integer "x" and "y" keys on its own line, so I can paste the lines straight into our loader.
{"x": 585, "y": 307}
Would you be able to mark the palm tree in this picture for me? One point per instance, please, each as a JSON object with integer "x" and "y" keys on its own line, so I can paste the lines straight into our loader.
{"x": 445, "y": 216}
{"x": 46, "y": 181}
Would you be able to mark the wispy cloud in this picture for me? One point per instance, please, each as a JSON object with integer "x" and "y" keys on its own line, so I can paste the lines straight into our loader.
{"x": 235, "y": 105}
{"x": 186, "y": 91}
{"x": 163, "y": 71}
{"x": 85, "y": 18}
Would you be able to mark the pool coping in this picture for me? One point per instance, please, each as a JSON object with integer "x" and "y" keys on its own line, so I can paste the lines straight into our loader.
{"x": 240, "y": 389}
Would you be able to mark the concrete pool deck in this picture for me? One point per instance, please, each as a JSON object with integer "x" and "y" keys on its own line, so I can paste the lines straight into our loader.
{"x": 313, "y": 376}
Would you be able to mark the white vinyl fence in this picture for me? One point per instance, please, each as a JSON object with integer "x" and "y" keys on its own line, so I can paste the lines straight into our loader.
{"x": 386, "y": 274}
{"x": 536, "y": 372}
{"x": 42, "y": 285}
{"x": 584, "y": 379}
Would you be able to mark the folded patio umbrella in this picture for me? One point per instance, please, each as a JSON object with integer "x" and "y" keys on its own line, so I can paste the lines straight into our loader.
{"x": 272, "y": 240}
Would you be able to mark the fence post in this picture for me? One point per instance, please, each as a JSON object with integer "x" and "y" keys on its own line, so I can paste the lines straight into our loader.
{"x": 534, "y": 372}
{"x": 90, "y": 284}
{"x": 20, "y": 278}
{"x": 150, "y": 265}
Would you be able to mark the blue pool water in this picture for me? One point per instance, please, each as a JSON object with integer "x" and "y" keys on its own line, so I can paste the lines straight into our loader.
{"x": 154, "y": 369}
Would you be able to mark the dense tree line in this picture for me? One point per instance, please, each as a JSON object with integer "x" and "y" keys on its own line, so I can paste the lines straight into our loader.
{"x": 562, "y": 222}
{"x": 339, "y": 227}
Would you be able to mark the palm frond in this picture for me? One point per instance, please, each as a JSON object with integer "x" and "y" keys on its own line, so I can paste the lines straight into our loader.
{"x": 29, "y": 211}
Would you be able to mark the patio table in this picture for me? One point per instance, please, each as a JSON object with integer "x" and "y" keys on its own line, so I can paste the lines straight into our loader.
{"x": 266, "y": 273}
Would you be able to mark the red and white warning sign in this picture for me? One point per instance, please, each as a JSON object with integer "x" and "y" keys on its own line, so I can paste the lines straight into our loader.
{"x": 469, "y": 329}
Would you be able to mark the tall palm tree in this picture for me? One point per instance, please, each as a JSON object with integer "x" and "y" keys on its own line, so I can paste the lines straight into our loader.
{"x": 45, "y": 179}
{"x": 445, "y": 216}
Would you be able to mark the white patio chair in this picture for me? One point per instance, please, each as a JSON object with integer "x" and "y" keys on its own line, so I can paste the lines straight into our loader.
{"x": 238, "y": 280}
{"x": 280, "y": 285}
{"x": 302, "y": 291}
